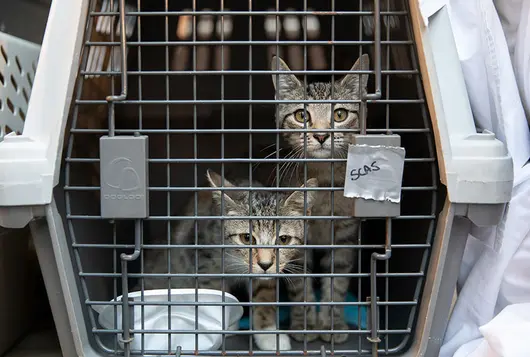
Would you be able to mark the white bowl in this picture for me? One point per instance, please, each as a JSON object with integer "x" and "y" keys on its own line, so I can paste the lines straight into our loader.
{"x": 210, "y": 317}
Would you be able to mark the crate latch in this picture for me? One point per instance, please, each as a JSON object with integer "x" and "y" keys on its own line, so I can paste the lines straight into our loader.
{"x": 124, "y": 182}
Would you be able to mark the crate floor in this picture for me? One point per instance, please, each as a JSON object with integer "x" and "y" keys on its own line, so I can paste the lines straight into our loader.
{"x": 242, "y": 343}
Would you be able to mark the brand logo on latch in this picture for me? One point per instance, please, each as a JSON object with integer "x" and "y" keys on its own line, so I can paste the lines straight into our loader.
{"x": 122, "y": 176}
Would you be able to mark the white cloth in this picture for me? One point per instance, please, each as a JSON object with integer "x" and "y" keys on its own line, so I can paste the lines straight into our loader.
{"x": 503, "y": 334}
{"x": 496, "y": 267}
{"x": 488, "y": 72}
{"x": 515, "y": 20}
{"x": 495, "y": 273}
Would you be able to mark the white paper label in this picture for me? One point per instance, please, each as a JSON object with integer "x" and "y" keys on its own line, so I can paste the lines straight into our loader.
{"x": 374, "y": 172}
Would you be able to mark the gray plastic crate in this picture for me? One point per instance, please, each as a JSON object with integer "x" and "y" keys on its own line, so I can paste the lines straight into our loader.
{"x": 409, "y": 295}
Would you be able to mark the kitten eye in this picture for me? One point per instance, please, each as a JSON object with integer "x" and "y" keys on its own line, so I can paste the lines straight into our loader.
{"x": 340, "y": 115}
{"x": 301, "y": 116}
{"x": 284, "y": 240}
{"x": 245, "y": 238}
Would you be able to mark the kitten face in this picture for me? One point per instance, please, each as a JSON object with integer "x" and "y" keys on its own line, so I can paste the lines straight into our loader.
{"x": 319, "y": 115}
{"x": 244, "y": 259}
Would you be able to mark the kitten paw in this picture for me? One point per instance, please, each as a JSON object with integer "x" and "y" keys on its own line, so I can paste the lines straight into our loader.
{"x": 300, "y": 337}
{"x": 298, "y": 315}
{"x": 267, "y": 342}
{"x": 337, "y": 337}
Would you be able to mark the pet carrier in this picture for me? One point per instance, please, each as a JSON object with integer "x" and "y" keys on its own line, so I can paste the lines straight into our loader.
{"x": 18, "y": 60}
{"x": 150, "y": 98}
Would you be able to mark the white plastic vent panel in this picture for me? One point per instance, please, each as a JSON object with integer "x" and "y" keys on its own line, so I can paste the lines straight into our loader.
{"x": 18, "y": 63}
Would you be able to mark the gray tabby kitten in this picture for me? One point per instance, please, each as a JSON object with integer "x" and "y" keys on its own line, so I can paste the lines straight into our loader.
{"x": 319, "y": 145}
{"x": 238, "y": 239}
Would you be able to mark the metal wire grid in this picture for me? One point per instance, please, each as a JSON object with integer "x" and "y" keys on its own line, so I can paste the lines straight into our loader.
{"x": 104, "y": 274}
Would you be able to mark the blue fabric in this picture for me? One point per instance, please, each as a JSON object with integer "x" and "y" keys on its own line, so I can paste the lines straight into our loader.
{"x": 351, "y": 313}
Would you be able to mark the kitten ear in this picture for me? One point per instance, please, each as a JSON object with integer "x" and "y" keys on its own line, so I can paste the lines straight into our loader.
{"x": 286, "y": 82}
{"x": 215, "y": 180}
{"x": 352, "y": 80}
{"x": 295, "y": 202}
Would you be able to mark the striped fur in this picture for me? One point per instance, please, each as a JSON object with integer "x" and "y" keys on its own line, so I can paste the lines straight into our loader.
{"x": 335, "y": 145}
{"x": 240, "y": 259}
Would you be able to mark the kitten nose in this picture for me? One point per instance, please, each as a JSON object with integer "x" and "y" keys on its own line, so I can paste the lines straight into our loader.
{"x": 265, "y": 265}
{"x": 321, "y": 138}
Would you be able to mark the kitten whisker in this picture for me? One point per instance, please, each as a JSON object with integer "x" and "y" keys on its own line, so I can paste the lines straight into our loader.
{"x": 296, "y": 167}
{"x": 282, "y": 167}
{"x": 296, "y": 269}
{"x": 290, "y": 282}
{"x": 266, "y": 157}
{"x": 269, "y": 146}
{"x": 283, "y": 170}
{"x": 291, "y": 165}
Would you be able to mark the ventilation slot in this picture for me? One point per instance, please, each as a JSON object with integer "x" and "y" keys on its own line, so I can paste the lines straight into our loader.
{"x": 10, "y": 106}
{"x": 19, "y": 66}
{"x": 25, "y": 95}
{"x": 4, "y": 54}
{"x": 14, "y": 83}
{"x": 30, "y": 81}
